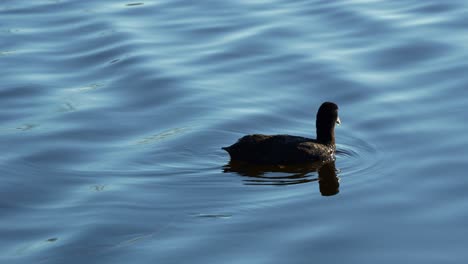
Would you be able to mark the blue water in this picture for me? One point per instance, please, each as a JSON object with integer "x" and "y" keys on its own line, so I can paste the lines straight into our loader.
{"x": 113, "y": 115}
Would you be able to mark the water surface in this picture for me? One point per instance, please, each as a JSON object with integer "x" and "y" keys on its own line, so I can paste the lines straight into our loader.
{"x": 113, "y": 115}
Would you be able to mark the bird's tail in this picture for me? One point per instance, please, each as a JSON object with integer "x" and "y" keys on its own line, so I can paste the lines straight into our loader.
{"x": 226, "y": 148}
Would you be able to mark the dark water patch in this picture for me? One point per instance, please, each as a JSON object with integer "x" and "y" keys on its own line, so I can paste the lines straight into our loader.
{"x": 134, "y": 4}
{"x": 435, "y": 8}
{"x": 406, "y": 55}
{"x": 215, "y": 216}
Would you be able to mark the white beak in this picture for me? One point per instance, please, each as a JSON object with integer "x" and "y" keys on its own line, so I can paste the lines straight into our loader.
{"x": 338, "y": 121}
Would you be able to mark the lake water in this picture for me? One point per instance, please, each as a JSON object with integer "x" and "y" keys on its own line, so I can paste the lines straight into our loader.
{"x": 113, "y": 115}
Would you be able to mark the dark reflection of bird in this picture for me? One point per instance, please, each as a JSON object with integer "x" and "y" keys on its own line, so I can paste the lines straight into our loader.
{"x": 288, "y": 174}
{"x": 286, "y": 149}
{"x": 329, "y": 183}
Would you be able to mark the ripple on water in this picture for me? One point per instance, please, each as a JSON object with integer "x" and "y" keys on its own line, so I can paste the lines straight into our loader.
{"x": 357, "y": 158}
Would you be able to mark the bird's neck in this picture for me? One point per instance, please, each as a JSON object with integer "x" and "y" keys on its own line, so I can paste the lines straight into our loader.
{"x": 326, "y": 135}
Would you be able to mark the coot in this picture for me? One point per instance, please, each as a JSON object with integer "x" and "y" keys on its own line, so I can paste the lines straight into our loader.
{"x": 286, "y": 149}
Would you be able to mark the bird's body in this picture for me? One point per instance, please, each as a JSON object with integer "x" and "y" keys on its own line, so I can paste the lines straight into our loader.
{"x": 279, "y": 149}
{"x": 286, "y": 149}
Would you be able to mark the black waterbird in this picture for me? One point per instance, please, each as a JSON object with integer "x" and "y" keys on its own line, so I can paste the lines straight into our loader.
{"x": 286, "y": 149}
